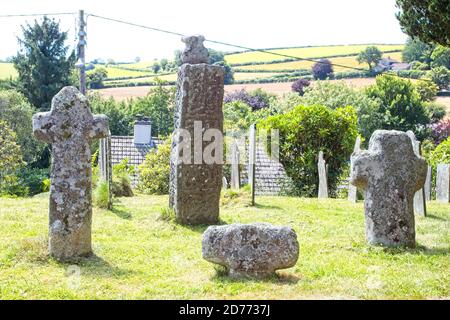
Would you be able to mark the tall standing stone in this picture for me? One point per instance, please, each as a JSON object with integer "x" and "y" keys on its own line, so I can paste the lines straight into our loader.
{"x": 194, "y": 184}
{"x": 323, "y": 180}
{"x": 235, "y": 174}
{"x": 443, "y": 183}
{"x": 352, "y": 190}
{"x": 419, "y": 197}
{"x": 428, "y": 184}
{"x": 252, "y": 161}
{"x": 70, "y": 127}
{"x": 391, "y": 173}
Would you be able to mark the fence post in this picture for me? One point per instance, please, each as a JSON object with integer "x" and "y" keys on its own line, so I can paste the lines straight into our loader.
{"x": 252, "y": 161}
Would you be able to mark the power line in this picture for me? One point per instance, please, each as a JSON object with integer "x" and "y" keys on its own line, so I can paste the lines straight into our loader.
{"x": 35, "y": 14}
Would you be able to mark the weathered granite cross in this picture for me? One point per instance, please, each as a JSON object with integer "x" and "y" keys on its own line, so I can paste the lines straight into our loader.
{"x": 391, "y": 173}
{"x": 70, "y": 127}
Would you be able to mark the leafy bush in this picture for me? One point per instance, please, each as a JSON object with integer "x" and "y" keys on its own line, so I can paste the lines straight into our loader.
{"x": 440, "y": 76}
{"x": 322, "y": 69}
{"x": 10, "y": 158}
{"x": 17, "y": 112}
{"x": 121, "y": 182}
{"x": 300, "y": 85}
{"x": 441, "y": 154}
{"x": 417, "y": 65}
{"x": 101, "y": 195}
{"x": 440, "y": 131}
{"x": 238, "y": 116}
{"x": 427, "y": 90}
{"x": 306, "y": 130}
{"x": 335, "y": 95}
{"x": 436, "y": 111}
{"x": 95, "y": 78}
{"x": 154, "y": 172}
{"x": 257, "y": 99}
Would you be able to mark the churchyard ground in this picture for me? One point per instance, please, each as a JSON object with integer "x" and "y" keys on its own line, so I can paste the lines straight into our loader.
{"x": 138, "y": 255}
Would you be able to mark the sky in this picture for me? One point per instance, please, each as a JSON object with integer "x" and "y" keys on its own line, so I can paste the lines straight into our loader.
{"x": 255, "y": 24}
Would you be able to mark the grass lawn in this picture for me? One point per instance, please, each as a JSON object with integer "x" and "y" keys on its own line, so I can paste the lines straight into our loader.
{"x": 139, "y": 256}
{"x": 305, "y": 52}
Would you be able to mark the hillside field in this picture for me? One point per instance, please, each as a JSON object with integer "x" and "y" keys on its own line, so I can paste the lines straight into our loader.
{"x": 140, "y": 256}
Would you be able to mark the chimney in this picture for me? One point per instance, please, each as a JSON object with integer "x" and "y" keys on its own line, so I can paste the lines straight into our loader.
{"x": 143, "y": 131}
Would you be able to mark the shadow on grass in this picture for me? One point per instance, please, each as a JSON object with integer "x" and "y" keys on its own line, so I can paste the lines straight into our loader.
{"x": 266, "y": 206}
{"x": 200, "y": 228}
{"x": 432, "y": 216}
{"x": 121, "y": 212}
{"x": 94, "y": 265}
{"x": 221, "y": 275}
{"x": 419, "y": 249}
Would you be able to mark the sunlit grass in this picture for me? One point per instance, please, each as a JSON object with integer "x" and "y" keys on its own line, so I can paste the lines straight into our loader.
{"x": 139, "y": 255}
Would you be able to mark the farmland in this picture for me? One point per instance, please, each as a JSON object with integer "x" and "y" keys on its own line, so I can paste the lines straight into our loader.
{"x": 7, "y": 70}
{"x": 304, "y": 52}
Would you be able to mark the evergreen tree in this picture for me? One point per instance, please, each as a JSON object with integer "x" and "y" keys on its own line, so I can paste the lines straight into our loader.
{"x": 43, "y": 63}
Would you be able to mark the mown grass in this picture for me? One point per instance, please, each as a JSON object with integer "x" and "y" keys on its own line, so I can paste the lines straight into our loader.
{"x": 7, "y": 70}
{"x": 305, "y": 52}
{"x": 296, "y": 65}
{"x": 141, "y": 255}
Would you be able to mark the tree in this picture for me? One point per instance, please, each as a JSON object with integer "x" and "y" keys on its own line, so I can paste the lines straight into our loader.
{"x": 42, "y": 62}
{"x": 215, "y": 56}
{"x": 17, "y": 112}
{"x": 300, "y": 85}
{"x": 322, "y": 69}
{"x": 96, "y": 77}
{"x": 416, "y": 50}
{"x": 371, "y": 55}
{"x": 229, "y": 73}
{"x": 156, "y": 67}
{"x": 164, "y": 63}
{"x": 428, "y": 20}
{"x": 400, "y": 105}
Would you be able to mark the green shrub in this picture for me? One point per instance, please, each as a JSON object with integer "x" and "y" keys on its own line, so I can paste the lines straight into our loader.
{"x": 101, "y": 195}
{"x": 427, "y": 90}
{"x": 440, "y": 76}
{"x": 154, "y": 172}
{"x": 441, "y": 154}
{"x": 121, "y": 182}
{"x": 306, "y": 130}
{"x": 28, "y": 182}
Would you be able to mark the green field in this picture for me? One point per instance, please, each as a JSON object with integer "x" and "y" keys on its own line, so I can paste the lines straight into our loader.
{"x": 140, "y": 256}
{"x": 7, "y": 70}
{"x": 305, "y": 52}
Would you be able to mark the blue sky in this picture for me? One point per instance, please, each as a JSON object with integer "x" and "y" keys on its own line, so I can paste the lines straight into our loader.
{"x": 258, "y": 24}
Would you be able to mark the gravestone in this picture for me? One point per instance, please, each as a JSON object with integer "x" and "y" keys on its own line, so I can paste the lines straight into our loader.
{"x": 428, "y": 184}
{"x": 443, "y": 182}
{"x": 105, "y": 164}
{"x": 323, "y": 181}
{"x": 70, "y": 127}
{"x": 195, "y": 184}
{"x": 252, "y": 161}
{"x": 235, "y": 175}
{"x": 224, "y": 183}
{"x": 352, "y": 190}
{"x": 419, "y": 197}
{"x": 391, "y": 173}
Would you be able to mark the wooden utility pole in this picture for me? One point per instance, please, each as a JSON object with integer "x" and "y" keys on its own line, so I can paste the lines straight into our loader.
{"x": 81, "y": 52}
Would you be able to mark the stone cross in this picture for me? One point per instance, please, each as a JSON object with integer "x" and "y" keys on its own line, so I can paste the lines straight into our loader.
{"x": 419, "y": 197}
{"x": 70, "y": 127}
{"x": 352, "y": 190}
{"x": 195, "y": 184}
{"x": 391, "y": 173}
{"x": 443, "y": 183}
{"x": 428, "y": 184}
{"x": 323, "y": 181}
{"x": 235, "y": 175}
